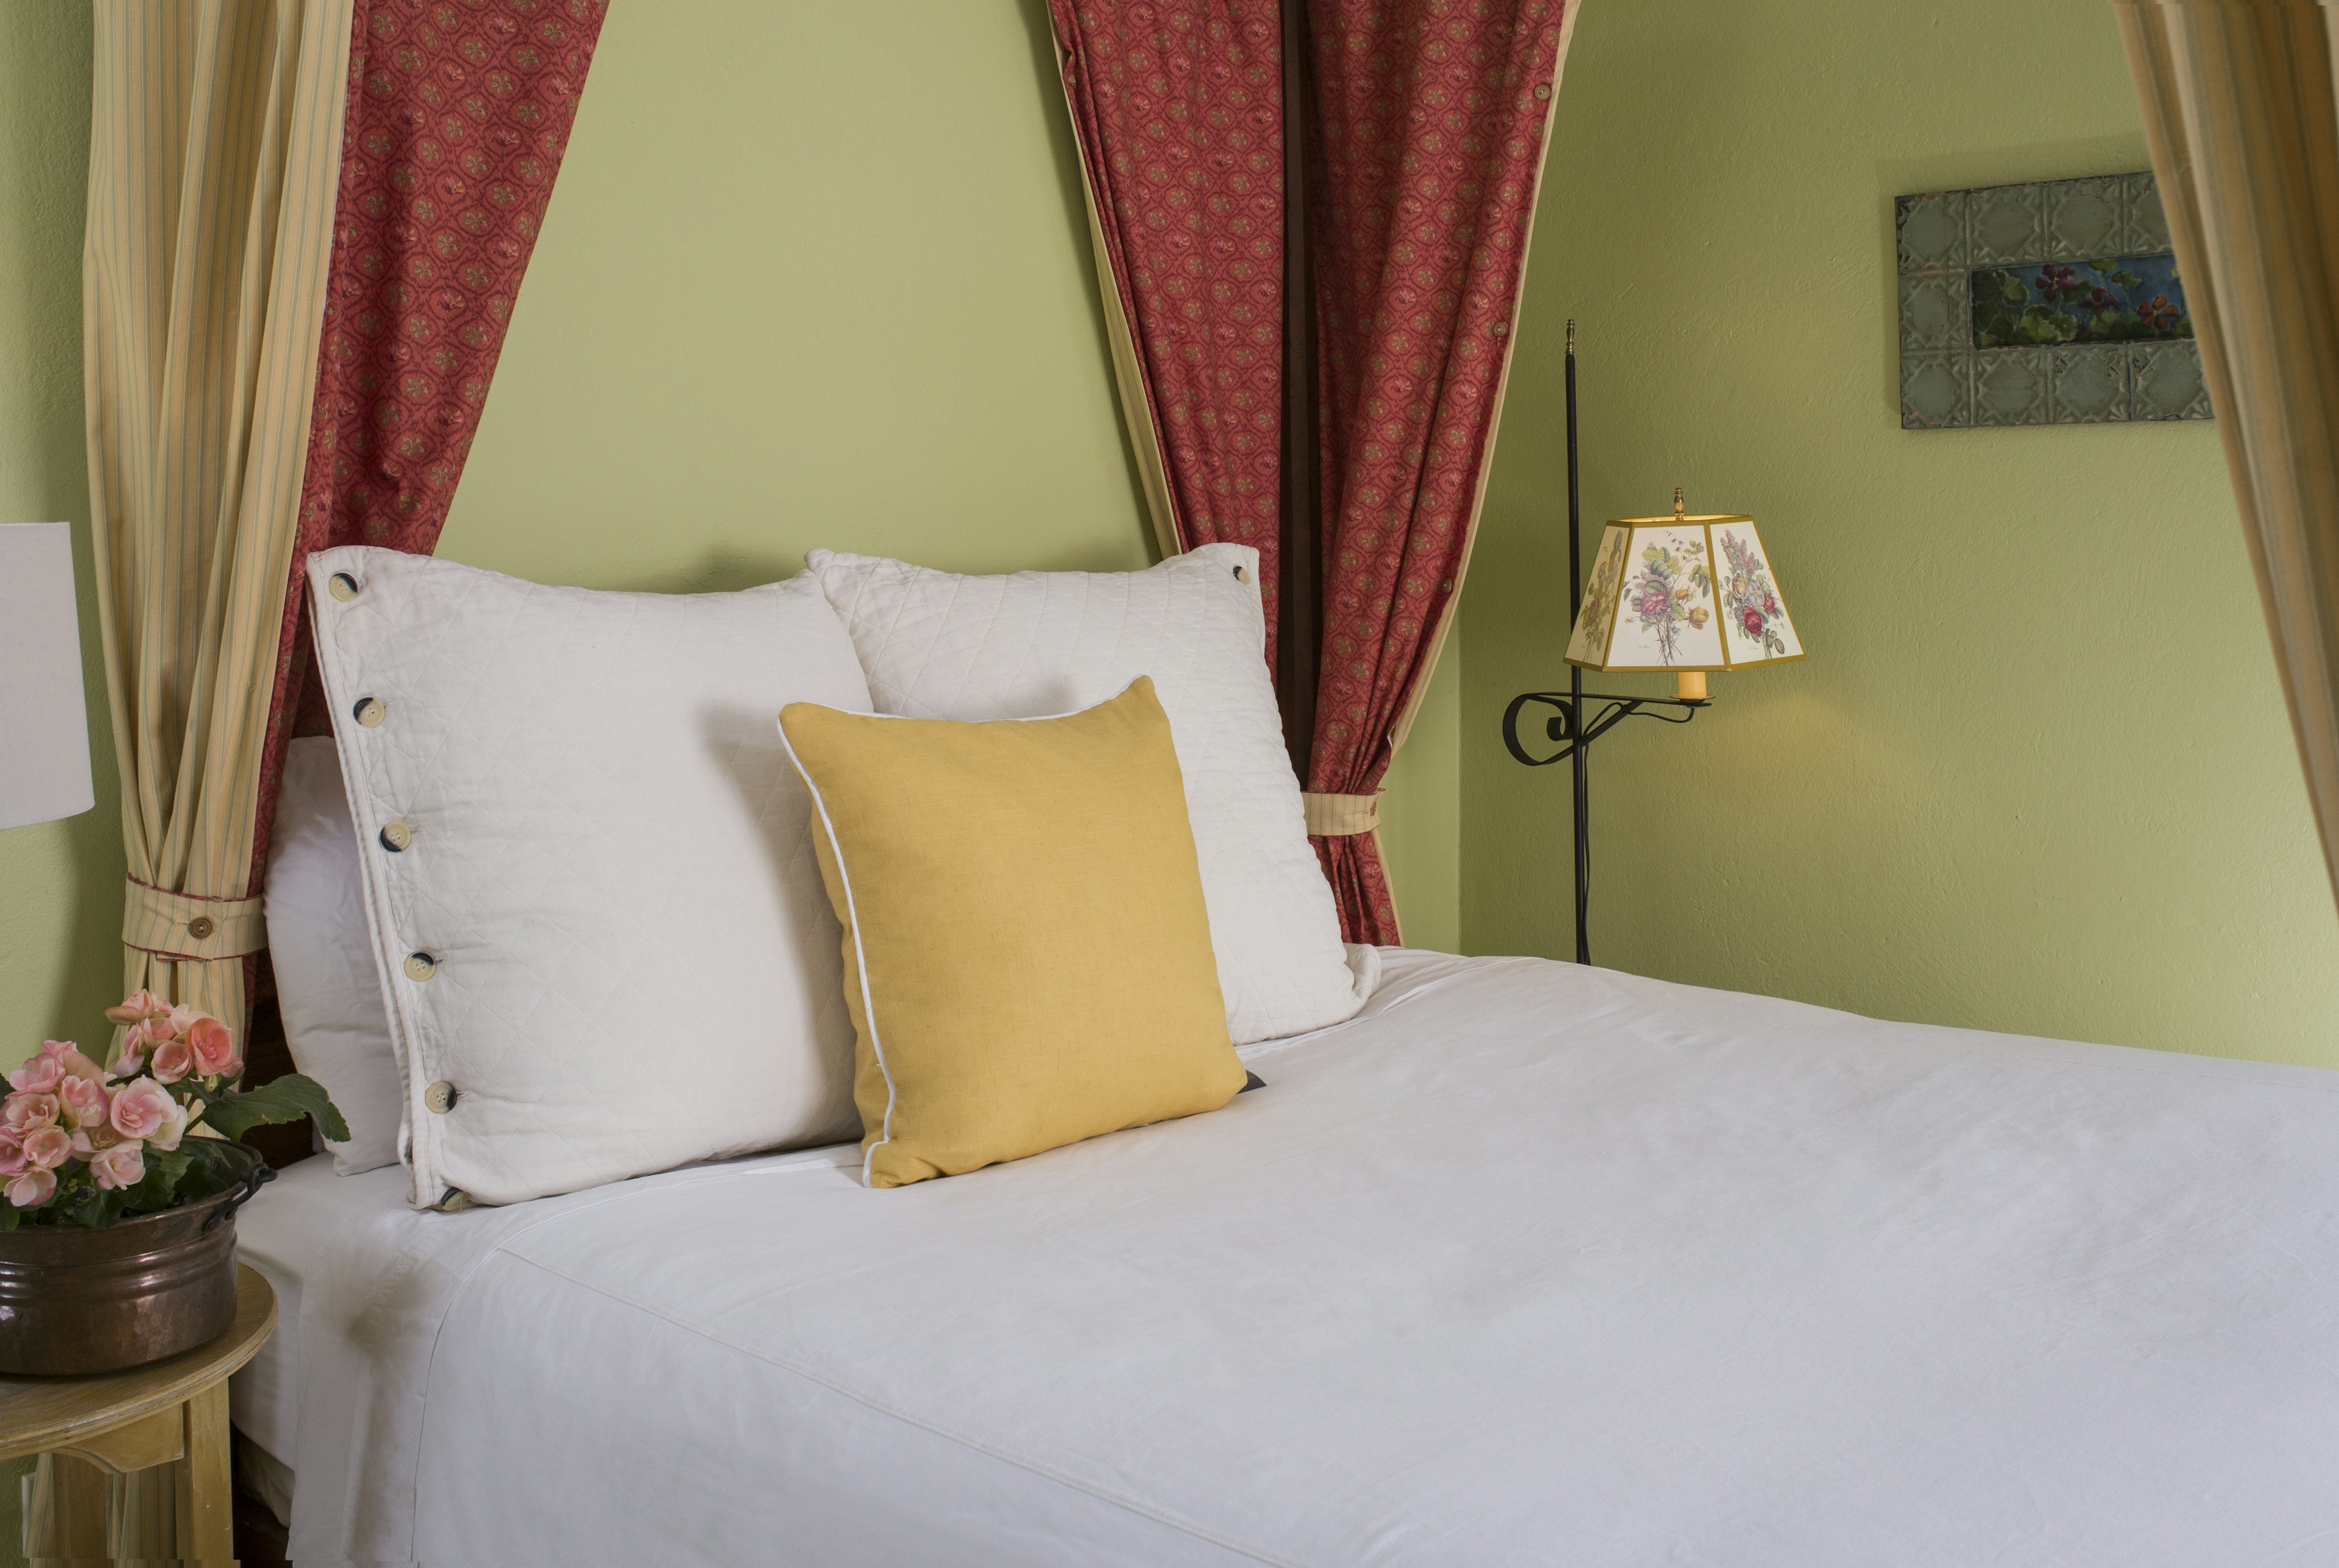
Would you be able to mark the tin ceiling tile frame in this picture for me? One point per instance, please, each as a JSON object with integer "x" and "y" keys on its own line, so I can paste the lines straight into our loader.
{"x": 2042, "y": 241}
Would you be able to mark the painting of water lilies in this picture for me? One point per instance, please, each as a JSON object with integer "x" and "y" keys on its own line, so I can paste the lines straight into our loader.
{"x": 2125, "y": 300}
{"x": 2057, "y": 302}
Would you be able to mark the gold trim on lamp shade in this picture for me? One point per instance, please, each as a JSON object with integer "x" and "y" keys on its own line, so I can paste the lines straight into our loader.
{"x": 1613, "y": 566}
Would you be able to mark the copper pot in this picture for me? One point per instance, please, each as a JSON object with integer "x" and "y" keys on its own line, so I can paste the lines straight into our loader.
{"x": 74, "y": 1301}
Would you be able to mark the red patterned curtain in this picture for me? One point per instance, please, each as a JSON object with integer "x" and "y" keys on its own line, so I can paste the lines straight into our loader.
{"x": 1178, "y": 105}
{"x": 1433, "y": 116}
{"x": 458, "y": 114}
{"x": 1424, "y": 125}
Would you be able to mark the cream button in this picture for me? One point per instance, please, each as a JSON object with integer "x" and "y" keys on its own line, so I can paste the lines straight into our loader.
{"x": 396, "y": 836}
{"x": 343, "y": 586}
{"x": 369, "y": 711}
{"x": 420, "y": 966}
{"x": 439, "y": 1097}
{"x": 1242, "y": 574}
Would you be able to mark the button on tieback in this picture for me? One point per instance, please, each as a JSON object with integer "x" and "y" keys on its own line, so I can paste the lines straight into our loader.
{"x": 187, "y": 927}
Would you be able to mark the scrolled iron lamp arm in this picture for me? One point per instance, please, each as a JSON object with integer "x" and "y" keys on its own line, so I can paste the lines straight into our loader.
{"x": 1561, "y": 725}
{"x": 1575, "y": 742}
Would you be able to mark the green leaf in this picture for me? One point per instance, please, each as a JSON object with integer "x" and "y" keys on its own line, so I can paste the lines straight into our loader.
{"x": 2041, "y": 325}
{"x": 287, "y": 1099}
{"x": 212, "y": 1166}
{"x": 97, "y": 1207}
{"x": 160, "y": 1187}
{"x": 2005, "y": 285}
{"x": 2126, "y": 279}
{"x": 151, "y": 1194}
{"x": 9, "y": 1214}
{"x": 1993, "y": 326}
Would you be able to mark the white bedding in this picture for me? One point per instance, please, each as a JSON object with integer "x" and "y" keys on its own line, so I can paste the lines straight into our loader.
{"x": 1525, "y": 1264}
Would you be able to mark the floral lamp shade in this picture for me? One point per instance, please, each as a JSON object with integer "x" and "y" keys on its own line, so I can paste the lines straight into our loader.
{"x": 1683, "y": 594}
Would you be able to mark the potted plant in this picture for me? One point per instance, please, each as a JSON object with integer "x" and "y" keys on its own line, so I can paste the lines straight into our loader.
{"x": 119, "y": 1187}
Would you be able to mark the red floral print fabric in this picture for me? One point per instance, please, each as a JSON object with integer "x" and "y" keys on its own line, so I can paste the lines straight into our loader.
{"x": 1432, "y": 115}
{"x": 458, "y": 115}
{"x": 1179, "y": 106}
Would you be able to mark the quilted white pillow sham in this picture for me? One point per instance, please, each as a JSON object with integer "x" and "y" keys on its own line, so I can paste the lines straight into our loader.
{"x": 588, "y": 868}
{"x": 938, "y": 646}
{"x": 328, "y": 985}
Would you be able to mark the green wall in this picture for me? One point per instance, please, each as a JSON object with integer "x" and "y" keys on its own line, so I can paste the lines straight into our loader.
{"x": 813, "y": 275}
{"x": 59, "y": 883}
{"x": 2035, "y": 775}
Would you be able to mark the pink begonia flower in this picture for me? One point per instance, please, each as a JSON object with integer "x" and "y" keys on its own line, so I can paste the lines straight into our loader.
{"x": 141, "y": 1108}
{"x": 124, "y": 1165}
{"x": 47, "y": 1148}
{"x": 173, "y": 1127}
{"x": 137, "y": 1007}
{"x": 214, "y": 1046}
{"x": 24, "y": 1112}
{"x": 86, "y": 1103}
{"x": 32, "y": 1189}
{"x": 11, "y": 1153}
{"x": 88, "y": 1140}
{"x": 138, "y": 1042}
{"x": 41, "y": 1074}
{"x": 76, "y": 1065}
{"x": 173, "y": 1061}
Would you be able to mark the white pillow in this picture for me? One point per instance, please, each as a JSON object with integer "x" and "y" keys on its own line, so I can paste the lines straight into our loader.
{"x": 937, "y": 646}
{"x": 327, "y": 983}
{"x": 607, "y": 944}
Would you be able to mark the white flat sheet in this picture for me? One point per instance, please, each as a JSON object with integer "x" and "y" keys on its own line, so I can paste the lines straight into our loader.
{"x": 1527, "y": 1264}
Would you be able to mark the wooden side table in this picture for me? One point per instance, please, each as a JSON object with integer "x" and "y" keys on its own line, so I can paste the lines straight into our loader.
{"x": 171, "y": 1412}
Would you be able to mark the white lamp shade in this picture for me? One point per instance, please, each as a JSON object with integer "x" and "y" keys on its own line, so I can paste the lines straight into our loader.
{"x": 44, "y": 725}
{"x": 1683, "y": 594}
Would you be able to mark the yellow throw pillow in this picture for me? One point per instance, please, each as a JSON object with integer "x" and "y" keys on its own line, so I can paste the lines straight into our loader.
{"x": 1027, "y": 956}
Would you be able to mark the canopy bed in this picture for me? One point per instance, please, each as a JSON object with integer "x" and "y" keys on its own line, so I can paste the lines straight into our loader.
{"x": 1493, "y": 1260}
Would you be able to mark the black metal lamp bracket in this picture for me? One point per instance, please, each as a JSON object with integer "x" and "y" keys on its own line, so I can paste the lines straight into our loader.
{"x": 1566, "y": 727}
{"x": 1574, "y": 726}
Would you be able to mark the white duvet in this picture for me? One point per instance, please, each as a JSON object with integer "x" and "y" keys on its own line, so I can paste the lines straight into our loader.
{"x": 1525, "y": 1264}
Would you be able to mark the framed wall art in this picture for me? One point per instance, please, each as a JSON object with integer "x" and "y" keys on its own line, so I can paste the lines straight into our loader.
{"x": 2051, "y": 303}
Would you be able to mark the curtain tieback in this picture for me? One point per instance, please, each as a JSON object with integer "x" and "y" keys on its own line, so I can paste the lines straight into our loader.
{"x": 1341, "y": 815}
{"x": 188, "y": 927}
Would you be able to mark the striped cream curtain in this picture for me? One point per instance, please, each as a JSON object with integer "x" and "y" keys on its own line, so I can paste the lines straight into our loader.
{"x": 215, "y": 147}
{"x": 2241, "y": 113}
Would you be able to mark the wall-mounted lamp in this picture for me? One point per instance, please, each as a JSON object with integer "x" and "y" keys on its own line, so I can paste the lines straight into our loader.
{"x": 43, "y": 725}
{"x": 1686, "y": 594}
